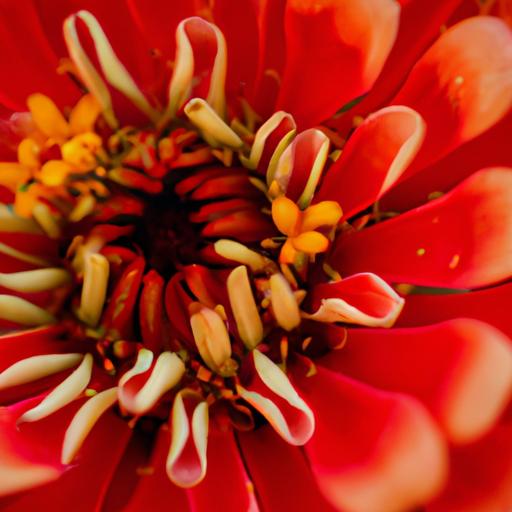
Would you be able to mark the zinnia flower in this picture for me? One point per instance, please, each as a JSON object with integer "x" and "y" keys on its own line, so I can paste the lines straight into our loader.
{"x": 254, "y": 255}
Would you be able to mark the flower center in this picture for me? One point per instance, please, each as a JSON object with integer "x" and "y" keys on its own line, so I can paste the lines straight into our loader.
{"x": 186, "y": 256}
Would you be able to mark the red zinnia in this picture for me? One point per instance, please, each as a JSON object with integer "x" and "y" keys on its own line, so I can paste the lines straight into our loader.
{"x": 200, "y": 257}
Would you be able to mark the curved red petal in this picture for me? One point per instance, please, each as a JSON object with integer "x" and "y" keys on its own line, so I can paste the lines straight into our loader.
{"x": 490, "y": 305}
{"x": 461, "y": 86}
{"x": 154, "y": 491}
{"x": 334, "y": 52}
{"x": 39, "y": 69}
{"x": 238, "y": 23}
{"x": 271, "y": 55}
{"x": 409, "y": 46}
{"x": 363, "y": 299}
{"x": 374, "y": 158}
{"x": 480, "y": 475}
{"x": 372, "y": 450}
{"x": 461, "y": 370}
{"x": 226, "y": 480}
{"x": 280, "y": 472}
{"x": 489, "y": 149}
{"x": 461, "y": 240}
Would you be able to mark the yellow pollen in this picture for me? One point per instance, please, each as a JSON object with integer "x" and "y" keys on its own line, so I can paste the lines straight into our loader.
{"x": 286, "y": 216}
{"x": 84, "y": 114}
{"x": 81, "y": 150}
{"x": 28, "y": 153}
{"x": 300, "y": 227}
{"x": 454, "y": 262}
{"x": 54, "y": 173}
{"x": 48, "y": 117}
{"x": 421, "y": 251}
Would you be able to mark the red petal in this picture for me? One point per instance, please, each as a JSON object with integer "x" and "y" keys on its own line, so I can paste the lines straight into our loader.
{"x": 154, "y": 490}
{"x": 302, "y": 161}
{"x": 371, "y": 450}
{"x": 374, "y": 158}
{"x": 271, "y": 393}
{"x": 462, "y": 85}
{"x": 118, "y": 317}
{"x": 25, "y": 462}
{"x": 43, "y": 439}
{"x": 28, "y": 64}
{"x": 158, "y": 21}
{"x": 244, "y": 226}
{"x": 461, "y": 370}
{"x": 461, "y": 240}
{"x": 177, "y": 301}
{"x": 409, "y": 46}
{"x": 226, "y": 481}
{"x": 281, "y": 473}
{"x": 334, "y": 52}
{"x": 151, "y": 311}
{"x": 489, "y": 149}
{"x": 491, "y": 306}
{"x": 238, "y": 23}
{"x": 271, "y": 55}
{"x": 363, "y": 299}
{"x": 480, "y": 475}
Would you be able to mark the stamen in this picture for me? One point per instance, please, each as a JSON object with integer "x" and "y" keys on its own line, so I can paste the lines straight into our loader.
{"x": 248, "y": 321}
{"x": 215, "y": 131}
{"x": 310, "y": 242}
{"x": 20, "y": 311}
{"x": 28, "y": 153}
{"x": 54, "y": 173}
{"x": 22, "y": 256}
{"x": 212, "y": 340}
{"x": 83, "y": 422}
{"x": 88, "y": 73}
{"x": 286, "y": 216}
{"x": 34, "y": 281}
{"x": 94, "y": 290}
{"x": 238, "y": 252}
{"x": 84, "y": 207}
{"x": 37, "y": 367}
{"x": 46, "y": 220}
{"x": 11, "y": 223}
{"x": 115, "y": 72}
{"x": 81, "y": 151}
{"x": 67, "y": 391}
{"x": 284, "y": 304}
{"x": 325, "y": 213}
{"x": 84, "y": 114}
{"x": 47, "y": 117}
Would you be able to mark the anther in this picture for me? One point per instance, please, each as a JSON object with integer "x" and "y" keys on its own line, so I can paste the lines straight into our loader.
{"x": 248, "y": 321}
{"x": 284, "y": 304}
